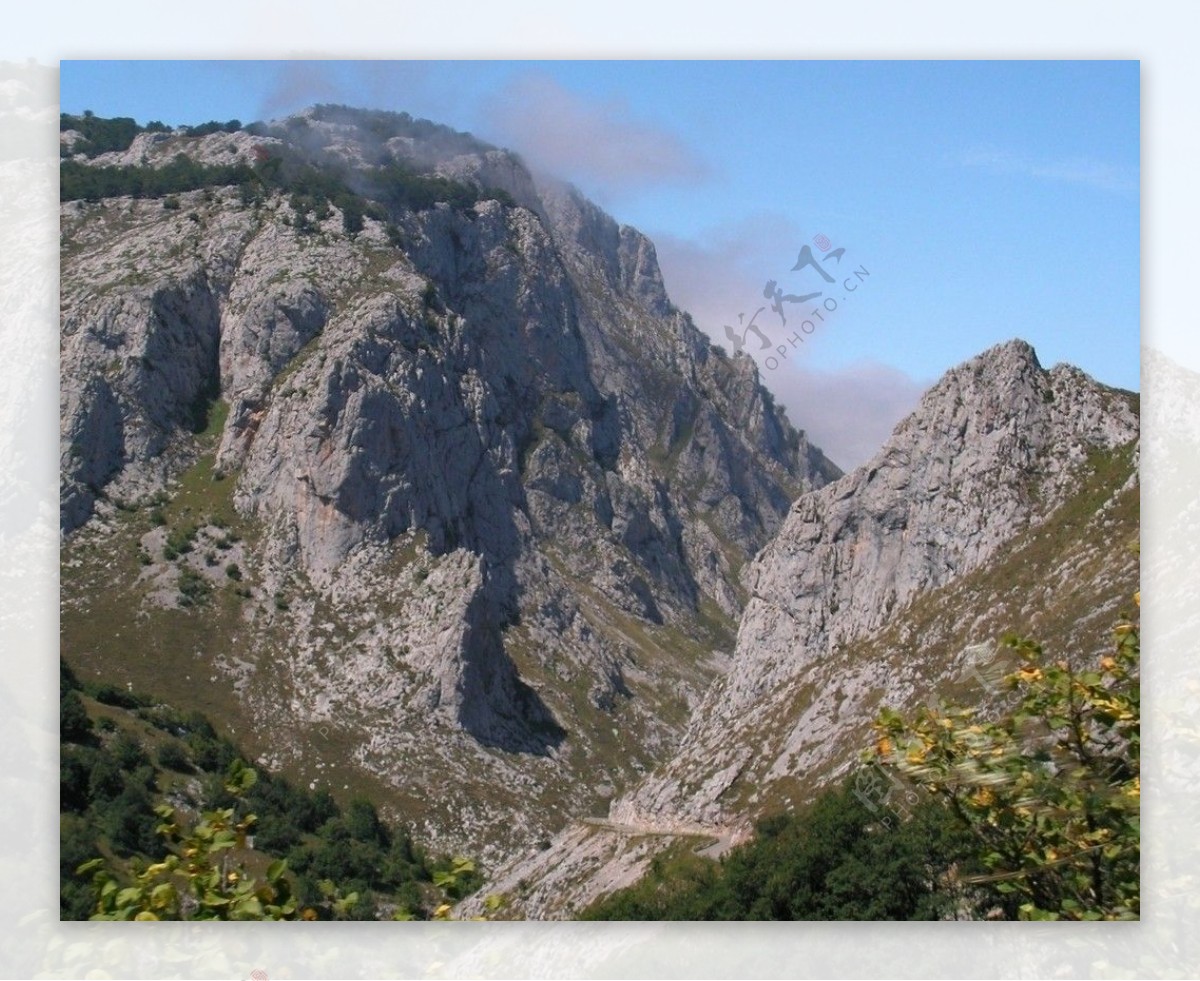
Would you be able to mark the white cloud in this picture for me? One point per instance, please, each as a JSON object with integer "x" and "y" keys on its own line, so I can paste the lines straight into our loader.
{"x": 849, "y": 412}
{"x": 1074, "y": 170}
{"x": 601, "y": 146}
{"x": 723, "y": 275}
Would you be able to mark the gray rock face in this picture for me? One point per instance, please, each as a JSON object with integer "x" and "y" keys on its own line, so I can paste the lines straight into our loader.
{"x": 1006, "y": 501}
{"x": 505, "y": 487}
{"x": 134, "y": 373}
{"x": 993, "y": 450}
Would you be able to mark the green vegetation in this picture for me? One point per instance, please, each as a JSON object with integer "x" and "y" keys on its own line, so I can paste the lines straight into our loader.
{"x": 80, "y": 181}
{"x": 162, "y": 819}
{"x": 1034, "y": 815}
{"x": 843, "y": 858}
{"x": 1051, "y": 791}
{"x": 104, "y": 135}
{"x": 313, "y": 182}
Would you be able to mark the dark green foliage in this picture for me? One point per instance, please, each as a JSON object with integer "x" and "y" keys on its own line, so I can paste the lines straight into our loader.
{"x": 193, "y": 587}
{"x": 105, "y": 780}
{"x": 359, "y": 851}
{"x": 179, "y": 542}
{"x": 74, "y": 771}
{"x": 109, "y": 789}
{"x": 129, "y": 822}
{"x": 81, "y": 181}
{"x": 314, "y": 809}
{"x": 100, "y": 135}
{"x": 212, "y": 753}
{"x": 362, "y": 822}
{"x": 314, "y": 181}
{"x": 352, "y": 216}
{"x": 73, "y": 723}
{"x": 204, "y": 129}
{"x": 77, "y": 844}
{"x": 66, "y": 678}
{"x": 172, "y": 756}
{"x": 276, "y": 833}
{"x": 128, "y": 752}
{"x": 119, "y": 697}
{"x": 840, "y": 859}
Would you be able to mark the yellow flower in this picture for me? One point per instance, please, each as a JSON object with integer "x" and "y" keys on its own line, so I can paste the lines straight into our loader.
{"x": 308, "y": 914}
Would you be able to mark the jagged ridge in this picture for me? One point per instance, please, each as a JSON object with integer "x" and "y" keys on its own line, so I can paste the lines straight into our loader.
{"x": 493, "y": 489}
{"x": 1007, "y": 500}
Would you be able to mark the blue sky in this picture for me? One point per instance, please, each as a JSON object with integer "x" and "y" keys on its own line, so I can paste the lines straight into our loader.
{"x": 987, "y": 200}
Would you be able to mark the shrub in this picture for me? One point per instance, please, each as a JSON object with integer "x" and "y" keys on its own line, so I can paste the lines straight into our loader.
{"x": 172, "y": 756}
{"x": 1051, "y": 791}
{"x": 73, "y": 722}
{"x": 128, "y": 752}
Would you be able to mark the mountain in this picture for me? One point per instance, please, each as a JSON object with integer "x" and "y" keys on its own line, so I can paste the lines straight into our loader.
{"x": 400, "y": 464}
{"x": 1008, "y": 501}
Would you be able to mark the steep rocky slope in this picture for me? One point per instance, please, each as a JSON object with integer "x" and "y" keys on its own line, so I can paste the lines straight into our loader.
{"x": 1007, "y": 501}
{"x": 449, "y": 498}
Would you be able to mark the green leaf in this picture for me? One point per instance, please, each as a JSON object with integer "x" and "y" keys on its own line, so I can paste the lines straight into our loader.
{"x": 162, "y": 895}
{"x": 129, "y": 895}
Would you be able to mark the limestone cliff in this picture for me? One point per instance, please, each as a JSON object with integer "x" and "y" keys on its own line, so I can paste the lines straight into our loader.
{"x": 486, "y": 491}
{"x": 1008, "y": 501}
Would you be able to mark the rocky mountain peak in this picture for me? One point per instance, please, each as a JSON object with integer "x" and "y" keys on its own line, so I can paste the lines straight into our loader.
{"x": 1005, "y": 501}
{"x": 994, "y": 454}
{"x": 486, "y": 477}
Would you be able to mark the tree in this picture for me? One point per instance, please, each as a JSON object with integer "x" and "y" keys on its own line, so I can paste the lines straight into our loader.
{"x": 1050, "y": 791}
{"x": 73, "y": 723}
{"x": 196, "y": 880}
{"x": 840, "y": 858}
